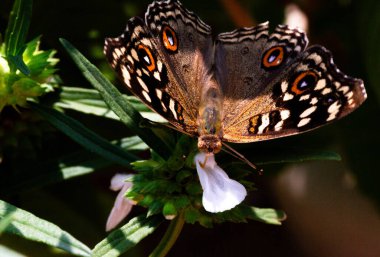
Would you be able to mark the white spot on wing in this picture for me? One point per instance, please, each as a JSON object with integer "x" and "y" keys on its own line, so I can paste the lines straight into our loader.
{"x": 308, "y": 111}
{"x": 172, "y": 108}
{"x": 320, "y": 84}
{"x": 129, "y": 58}
{"x": 344, "y": 89}
{"x": 156, "y": 74}
{"x": 146, "y": 96}
{"x": 278, "y": 126}
{"x": 333, "y": 110}
{"x": 146, "y": 42}
{"x": 118, "y": 52}
{"x": 288, "y": 96}
{"x": 146, "y": 72}
{"x": 126, "y": 76}
{"x": 142, "y": 84}
{"x": 164, "y": 107}
{"x": 284, "y": 86}
{"x": 264, "y": 122}
{"x": 349, "y": 94}
{"x": 303, "y": 122}
{"x": 316, "y": 58}
{"x": 313, "y": 101}
{"x": 134, "y": 54}
{"x": 326, "y": 90}
{"x": 284, "y": 114}
{"x": 159, "y": 93}
{"x": 305, "y": 97}
{"x": 159, "y": 66}
{"x": 337, "y": 84}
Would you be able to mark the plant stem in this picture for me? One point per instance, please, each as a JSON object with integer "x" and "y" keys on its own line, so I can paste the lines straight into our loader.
{"x": 170, "y": 237}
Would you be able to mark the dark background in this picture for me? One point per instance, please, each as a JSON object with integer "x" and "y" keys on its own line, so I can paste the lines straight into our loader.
{"x": 332, "y": 207}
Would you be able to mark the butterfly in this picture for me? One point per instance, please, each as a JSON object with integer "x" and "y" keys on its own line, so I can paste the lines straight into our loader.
{"x": 242, "y": 86}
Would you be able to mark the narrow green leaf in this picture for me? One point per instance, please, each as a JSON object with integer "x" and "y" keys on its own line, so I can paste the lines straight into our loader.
{"x": 123, "y": 239}
{"x": 89, "y": 101}
{"x": 18, "y": 62}
{"x": 83, "y": 136}
{"x": 16, "y": 32}
{"x": 30, "y": 227}
{"x": 127, "y": 114}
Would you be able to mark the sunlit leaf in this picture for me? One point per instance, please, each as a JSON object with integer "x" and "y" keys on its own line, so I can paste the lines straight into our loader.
{"x": 89, "y": 101}
{"x": 16, "y": 32}
{"x": 123, "y": 239}
{"x": 28, "y": 226}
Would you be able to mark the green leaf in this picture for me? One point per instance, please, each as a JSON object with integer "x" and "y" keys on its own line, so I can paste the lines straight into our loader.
{"x": 127, "y": 114}
{"x": 83, "y": 136}
{"x": 89, "y": 101}
{"x": 123, "y": 239}
{"x": 30, "y": 227}
{"x": 5, "y": 221}
{"x": 266, "y": 215}
{"x": 16, "y": 32}
{"x": 18, "y": 62}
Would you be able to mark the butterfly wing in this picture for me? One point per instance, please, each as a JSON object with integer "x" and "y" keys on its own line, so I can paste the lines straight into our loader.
{"x": 273, "y": 87}
{"x": 164, "y": 60}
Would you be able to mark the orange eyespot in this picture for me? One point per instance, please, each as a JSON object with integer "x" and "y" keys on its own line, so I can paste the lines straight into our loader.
{"x": 305, "y": 80}
{"x": 169, "y": 39}
{"x": 273, "y": 57}
{"x": 146, "y": 55}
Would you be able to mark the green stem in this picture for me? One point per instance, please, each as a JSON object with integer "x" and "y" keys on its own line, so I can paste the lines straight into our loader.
{"x": 170, "y": 237}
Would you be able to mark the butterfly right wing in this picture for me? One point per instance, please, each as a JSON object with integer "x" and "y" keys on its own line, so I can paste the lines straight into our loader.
{"x": 274, "y": 87}
{"x": 163, "y": 61}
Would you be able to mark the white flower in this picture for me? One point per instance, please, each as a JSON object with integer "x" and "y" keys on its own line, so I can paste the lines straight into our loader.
{"x": 220, "y": 193}
{"x": 122, "y": 205}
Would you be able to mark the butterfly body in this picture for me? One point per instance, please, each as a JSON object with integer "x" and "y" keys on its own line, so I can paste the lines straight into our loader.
{"x": 243, "y": 86}
{"x": 209, "y": 122}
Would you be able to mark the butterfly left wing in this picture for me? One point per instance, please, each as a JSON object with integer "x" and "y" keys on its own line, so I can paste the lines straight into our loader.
{"x": 306, "y": 90}
{"x": 162, "y": 61}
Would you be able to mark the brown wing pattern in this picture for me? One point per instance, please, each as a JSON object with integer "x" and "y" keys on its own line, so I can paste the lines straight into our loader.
{"x": 164, "y": 61}
{"x": 285, "y": 89}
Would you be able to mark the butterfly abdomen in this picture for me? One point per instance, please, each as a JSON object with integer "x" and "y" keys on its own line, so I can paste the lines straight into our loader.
{"x": 210, "y": 118}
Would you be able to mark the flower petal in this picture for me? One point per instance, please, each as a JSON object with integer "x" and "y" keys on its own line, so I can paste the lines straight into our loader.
{"x": 118, "y": 213}
{"x": 118, "y": 181}
{"x": 122, "y": 205}
{"x": 220, "y": 193}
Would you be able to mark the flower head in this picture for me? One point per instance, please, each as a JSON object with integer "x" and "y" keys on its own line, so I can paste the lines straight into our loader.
{"x": 122, "y": 205}
{"x": 16, "y": 87}
{"x": 220, "y": 193}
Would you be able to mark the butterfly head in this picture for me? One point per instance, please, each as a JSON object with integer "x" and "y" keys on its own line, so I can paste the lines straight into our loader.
{"x": 209, "y": 143}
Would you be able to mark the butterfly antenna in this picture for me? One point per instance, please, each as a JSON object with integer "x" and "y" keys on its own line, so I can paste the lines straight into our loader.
{"x": 228, "y": 149}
